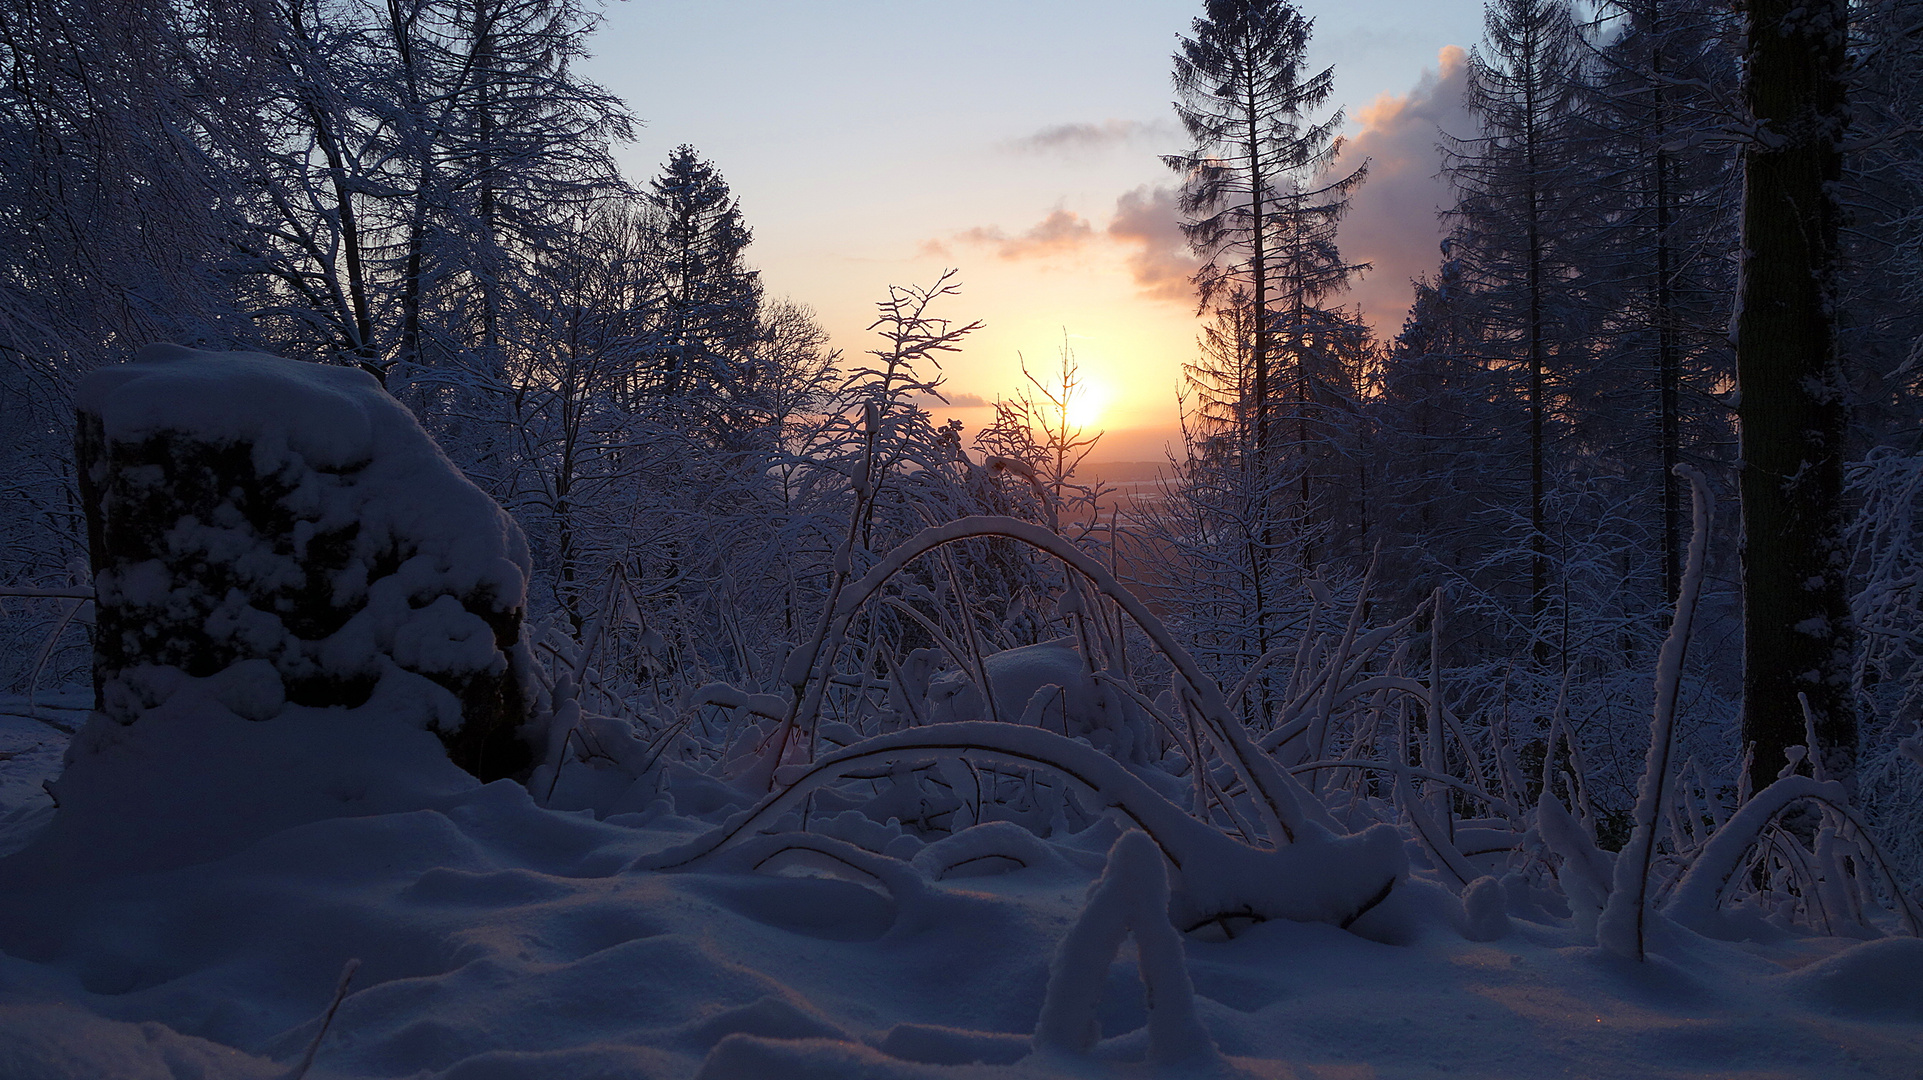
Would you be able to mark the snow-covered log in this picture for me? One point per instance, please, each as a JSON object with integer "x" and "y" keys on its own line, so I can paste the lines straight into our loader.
{"x": 243, "y": 507}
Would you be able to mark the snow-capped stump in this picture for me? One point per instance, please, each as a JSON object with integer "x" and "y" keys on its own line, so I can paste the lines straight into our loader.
{"x": 245, "y": 507}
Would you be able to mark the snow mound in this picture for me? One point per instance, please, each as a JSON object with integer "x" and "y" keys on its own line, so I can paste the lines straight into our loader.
{"x": 61, "y": 1042}
{"x": 196, "y": 779}
{"x": 246, "y": 508}
{"x": 502, "y": 941}
{"x": 1876, "y": 980}
{"x": 1046, "y": 686}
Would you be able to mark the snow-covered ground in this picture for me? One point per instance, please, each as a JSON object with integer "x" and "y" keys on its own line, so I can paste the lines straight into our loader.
{"x": 33, "y": 736}
{"x": 497, "y": 939}
{"x": 241, "y": 882}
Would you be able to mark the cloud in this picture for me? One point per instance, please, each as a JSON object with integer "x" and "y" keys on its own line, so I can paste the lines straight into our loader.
{"x": 1143, "y": 231}
{"x": 1393, "y": 221}
{"x": 1147, "y": 220}
{"x": 1084, "y": 138}
{"x": 1062, "y": 231}
{"x": 1393, "y": 218}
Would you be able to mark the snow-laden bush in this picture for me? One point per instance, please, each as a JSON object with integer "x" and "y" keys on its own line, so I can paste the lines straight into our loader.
{"x": 293, "y": 518}
{"x": 1888, "y": 608}
{"x": 1364, "y": 802}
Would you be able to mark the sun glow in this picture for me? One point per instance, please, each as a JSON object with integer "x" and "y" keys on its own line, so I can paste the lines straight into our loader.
{"x": 1086, "y": 402}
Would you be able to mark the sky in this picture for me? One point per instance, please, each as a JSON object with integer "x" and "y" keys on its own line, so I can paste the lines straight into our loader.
{"x": 879, "y": 142}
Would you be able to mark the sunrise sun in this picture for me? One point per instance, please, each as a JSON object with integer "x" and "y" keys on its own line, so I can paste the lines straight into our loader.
{"x": 1086, "y": 402}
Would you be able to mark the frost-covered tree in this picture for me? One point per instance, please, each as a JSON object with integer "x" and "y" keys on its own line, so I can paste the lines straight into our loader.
{"x": 1038, "y": 428}
{"x": 1440, "y": 412}
{"x": 1881, "y": 237}
{"x": 1262, "y": 196}
{"x": 707, "y": 298}
{"x": 400, "y": 162}
{"x": 1663, "y": 265}
{"x": 91, "y": 94}
{"x": 1518, "y": 223}
{"x": 502, "y": 141}
{"x": 344, "y": 180}
{"x": 1522, "y": 420}
{"x": 580, "y": 331}
{"x": 113, "y": 233}
{"x": 1246, "y": 102}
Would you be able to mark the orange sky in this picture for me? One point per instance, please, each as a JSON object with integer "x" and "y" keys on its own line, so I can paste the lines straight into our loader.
{"x": 882, "y": 141}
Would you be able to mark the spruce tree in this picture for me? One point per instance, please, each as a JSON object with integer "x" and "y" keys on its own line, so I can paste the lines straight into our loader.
{"x": 708, "y": 299}
{"x": 1261, "y": 206}
{"x": 1665, "y": 258}
{"x": 1519, "y": 219}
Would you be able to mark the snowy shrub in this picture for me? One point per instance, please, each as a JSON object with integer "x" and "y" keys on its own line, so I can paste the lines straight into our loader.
{"x": 1129, "y": 899}
{"x": 1047, "y": 685}
{"x": 1888, "y": 609}
{"x": 247, "y": 508}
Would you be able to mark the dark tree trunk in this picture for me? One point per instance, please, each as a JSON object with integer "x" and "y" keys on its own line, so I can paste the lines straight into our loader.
{"x": 1798, "y": 637}
{"x": 1668, "y": 363}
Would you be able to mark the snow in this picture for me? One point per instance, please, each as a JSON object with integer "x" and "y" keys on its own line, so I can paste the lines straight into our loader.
{"x": 1045, "y": 685}
{"x": 238, "y": 885}
{"x": 33, "y": 739}
{"x": 498, "y": 939}
{"x": 1130, "y": 899}
{"x": 1622, "y": 926}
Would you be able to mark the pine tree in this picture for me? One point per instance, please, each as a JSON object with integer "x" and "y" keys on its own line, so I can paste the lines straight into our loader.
{"x": 1263, "y": 198}
{"x": 1262, "y": 210}
{"x": 1519, "y": 220}
{"x": 1664, "y": 261}
{"x": 1440, "y": 408}
{"x": 707, "y": 298}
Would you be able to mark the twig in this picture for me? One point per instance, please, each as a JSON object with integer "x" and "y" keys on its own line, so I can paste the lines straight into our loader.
{"x": 340, "y": 993}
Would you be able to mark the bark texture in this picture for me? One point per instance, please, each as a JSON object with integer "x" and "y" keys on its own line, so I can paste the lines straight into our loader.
{"x": 1798, "y": 635}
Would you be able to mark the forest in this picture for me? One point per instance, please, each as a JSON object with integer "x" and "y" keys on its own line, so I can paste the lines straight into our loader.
{"x": 455, "y": 622}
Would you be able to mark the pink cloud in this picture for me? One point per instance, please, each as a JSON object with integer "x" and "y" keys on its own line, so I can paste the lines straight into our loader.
{"x": 1147, "y": 220}
{"x": 1084, "y": 138}
{"x": 1060, "y": 232}
{"x": 1393, "y": 221}
{"x": 1144, "y": 231}
{"x": 1393, "y": 218}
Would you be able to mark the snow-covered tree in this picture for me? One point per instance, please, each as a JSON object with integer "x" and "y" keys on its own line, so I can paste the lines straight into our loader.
{"x": 1663, "y": 268}
{"x": 113, "y": 233}
{"x": 1518, "y": 226}
{"x": 1274, "y": 388}
{"x": 707, "y": 299}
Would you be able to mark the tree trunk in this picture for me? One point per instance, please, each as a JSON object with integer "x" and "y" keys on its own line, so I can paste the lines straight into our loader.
{"x": 1668, "y": 363}
{"x": 1798, "y": 636}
